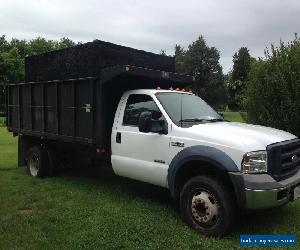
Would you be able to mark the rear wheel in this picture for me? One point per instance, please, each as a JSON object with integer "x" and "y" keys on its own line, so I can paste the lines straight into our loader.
{"x": 37, "y": 162}
{"x": 53, "y": 161}
{"x": 207, "y": 205}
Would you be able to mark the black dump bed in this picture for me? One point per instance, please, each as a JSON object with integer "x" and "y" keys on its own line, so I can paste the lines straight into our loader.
{"x": 73, "y": 98}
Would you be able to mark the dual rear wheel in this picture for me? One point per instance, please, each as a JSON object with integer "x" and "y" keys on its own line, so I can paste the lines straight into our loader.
{"x": 41, "y": 161}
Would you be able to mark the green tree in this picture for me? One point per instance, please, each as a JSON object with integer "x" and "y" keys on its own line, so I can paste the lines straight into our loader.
{"x": 41, "y": 45}
{"x": 202, "y": 61}
{"x": 21, "y": 45}
{"x": 4, "y": 45}
{"x": 272, "y": 96}
{"x": 237, "y": 78}
{"x": 11, "y": 67}
{"x": 241, "y": 64}
{"x": 65, "y": 43}
{"x": 179, "y": 59}
{"x": 11, "y": 71}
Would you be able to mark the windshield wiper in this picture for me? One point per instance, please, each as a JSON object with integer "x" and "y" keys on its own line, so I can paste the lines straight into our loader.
{"x": 193, "y": 120}
{"x": 201, "y": 120}
{"x": 216, "y": 120}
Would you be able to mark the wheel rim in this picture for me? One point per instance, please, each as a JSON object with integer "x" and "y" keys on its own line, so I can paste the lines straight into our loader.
{"x": 34, "y": 165}
{"x": 205, "y": 208}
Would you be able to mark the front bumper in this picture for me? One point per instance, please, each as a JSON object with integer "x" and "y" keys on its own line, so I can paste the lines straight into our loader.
{"x": 260, "y": 191}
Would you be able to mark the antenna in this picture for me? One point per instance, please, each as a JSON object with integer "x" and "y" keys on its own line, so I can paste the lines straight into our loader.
{"x": 181, "y": 111}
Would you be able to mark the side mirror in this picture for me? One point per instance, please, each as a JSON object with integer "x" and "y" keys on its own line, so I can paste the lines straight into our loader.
{"x": 221, "y": 114}
{"x": 152, "y": 122}
{"x": 145, "y": 122}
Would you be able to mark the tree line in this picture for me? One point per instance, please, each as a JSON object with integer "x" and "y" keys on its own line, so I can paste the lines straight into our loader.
{"x": 12, "y": 58}
{"x": 267, "y": 88}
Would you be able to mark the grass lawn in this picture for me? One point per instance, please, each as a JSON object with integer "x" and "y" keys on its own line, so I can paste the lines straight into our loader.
{"x": 2, "y": 119}
{"x": 94, "y": 209}
{"x": 233, "y": 116}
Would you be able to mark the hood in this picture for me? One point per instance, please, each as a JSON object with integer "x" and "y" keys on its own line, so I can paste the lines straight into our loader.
{"x": 243, "y": 136}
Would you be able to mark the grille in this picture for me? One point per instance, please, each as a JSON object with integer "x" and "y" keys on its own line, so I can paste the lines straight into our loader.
{"x": 280, "y": 155}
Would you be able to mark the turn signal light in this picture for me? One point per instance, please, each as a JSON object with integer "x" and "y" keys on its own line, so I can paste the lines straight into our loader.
{"x": 100, "y": 150}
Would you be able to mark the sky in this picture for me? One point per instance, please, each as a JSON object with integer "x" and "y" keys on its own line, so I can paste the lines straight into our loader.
{"x": 157, "y": 24}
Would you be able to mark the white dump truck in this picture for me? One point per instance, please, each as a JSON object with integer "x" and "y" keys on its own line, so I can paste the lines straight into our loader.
{"x": 100, "y": 101}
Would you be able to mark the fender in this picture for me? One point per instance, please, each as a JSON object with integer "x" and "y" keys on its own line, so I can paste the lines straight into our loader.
{"x": 211, "y": 155}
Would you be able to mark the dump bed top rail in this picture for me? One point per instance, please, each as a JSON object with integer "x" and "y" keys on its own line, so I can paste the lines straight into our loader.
{"x": 179, "y": 80}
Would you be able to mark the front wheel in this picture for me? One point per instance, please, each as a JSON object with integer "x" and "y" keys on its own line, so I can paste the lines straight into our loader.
{"x": 207, "y": 205}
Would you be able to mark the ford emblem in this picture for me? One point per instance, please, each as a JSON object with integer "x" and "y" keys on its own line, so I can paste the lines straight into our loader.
{"x": 294, "y": 158}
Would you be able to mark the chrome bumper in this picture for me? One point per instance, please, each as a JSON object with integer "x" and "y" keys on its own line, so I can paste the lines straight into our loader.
{"x": 268, "y": 198}
{"x": 262, "y": 191}
{"x": 259, "y": 199}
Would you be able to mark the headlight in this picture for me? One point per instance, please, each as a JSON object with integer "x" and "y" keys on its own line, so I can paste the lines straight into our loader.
{"x": 255, "y": 162}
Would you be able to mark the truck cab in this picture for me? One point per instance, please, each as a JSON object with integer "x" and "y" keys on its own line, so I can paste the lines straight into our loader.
{"x": 211, "y": 166}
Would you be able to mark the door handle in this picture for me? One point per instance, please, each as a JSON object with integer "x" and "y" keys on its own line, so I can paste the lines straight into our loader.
{"x": 118, "y": 137}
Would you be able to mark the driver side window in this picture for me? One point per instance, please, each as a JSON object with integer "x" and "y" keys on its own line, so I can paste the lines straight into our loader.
{"x": 136, "y": 104}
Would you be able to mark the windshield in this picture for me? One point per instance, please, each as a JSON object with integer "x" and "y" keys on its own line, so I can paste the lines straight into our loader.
{"x": 186, "y": 108}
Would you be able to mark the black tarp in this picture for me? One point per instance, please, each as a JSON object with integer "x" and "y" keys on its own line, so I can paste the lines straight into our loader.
{"x": 87, "y": 60}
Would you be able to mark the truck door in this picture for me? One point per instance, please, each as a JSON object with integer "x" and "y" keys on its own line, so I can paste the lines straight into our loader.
{"x": 138, "y": 155}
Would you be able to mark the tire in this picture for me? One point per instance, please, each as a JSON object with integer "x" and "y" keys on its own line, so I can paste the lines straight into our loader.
{"x": 37, "y": 162}
{"x": 207, "y": 206}
{"x": 53, "y": 161}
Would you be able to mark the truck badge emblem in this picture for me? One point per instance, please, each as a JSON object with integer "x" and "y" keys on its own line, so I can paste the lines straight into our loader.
{"x": 165, "y": 75}
{"x": 87, "y": 108}
{"x": 295, "y": 159}
{"x": 177, "y": 144}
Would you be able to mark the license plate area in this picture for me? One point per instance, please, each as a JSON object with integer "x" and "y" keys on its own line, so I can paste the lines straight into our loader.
{"x": 296, "y": 193}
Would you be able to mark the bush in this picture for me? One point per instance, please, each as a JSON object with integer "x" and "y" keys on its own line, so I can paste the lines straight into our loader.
{"x": 2, "y": 101}
{"x": 272, "y": 95}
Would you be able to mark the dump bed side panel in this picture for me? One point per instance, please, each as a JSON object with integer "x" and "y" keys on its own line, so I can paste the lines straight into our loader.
{"x": 60, "y": 110}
